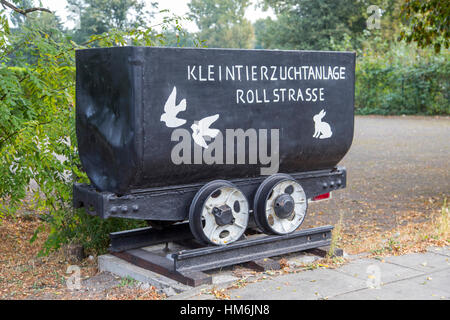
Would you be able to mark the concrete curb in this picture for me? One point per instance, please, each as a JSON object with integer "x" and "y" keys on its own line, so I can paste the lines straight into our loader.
{"x": 166, "y": 285}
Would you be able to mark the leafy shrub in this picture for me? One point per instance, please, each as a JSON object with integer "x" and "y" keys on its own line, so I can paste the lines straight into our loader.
{"x": 37, "y": 127}
{"x": 389, "y": 85}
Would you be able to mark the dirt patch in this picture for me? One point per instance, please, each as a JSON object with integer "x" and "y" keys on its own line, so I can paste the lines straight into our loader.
{"x": 23, "y": 275}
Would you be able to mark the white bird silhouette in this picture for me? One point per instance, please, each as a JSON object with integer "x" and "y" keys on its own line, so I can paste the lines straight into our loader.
{"x": 171, "y": 110}
{"x": 201, "y": 129}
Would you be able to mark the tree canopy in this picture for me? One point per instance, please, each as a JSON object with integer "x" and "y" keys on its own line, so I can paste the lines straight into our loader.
{"x": 428, "y": 22}
{"x": 303, "y": 24}
{"x": 222, "y": 23}
{"x": 99, "y": 16}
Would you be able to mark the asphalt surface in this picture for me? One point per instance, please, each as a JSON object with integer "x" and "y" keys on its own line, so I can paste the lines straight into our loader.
{"x": 395, "y": 166}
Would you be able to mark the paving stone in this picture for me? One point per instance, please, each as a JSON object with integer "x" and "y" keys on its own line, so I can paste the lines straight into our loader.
{"x": 314, "y": 284}
{"x": 439, "y": 280}
{"x": 373, "y": 271}
{"x": 442, "y": 251}
{"x": 409, "y": 289}
{"x": 425, "y": 262}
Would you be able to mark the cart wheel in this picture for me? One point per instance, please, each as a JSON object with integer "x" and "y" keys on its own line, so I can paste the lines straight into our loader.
{"x": 280, "y": 205}
{"x": 219, "y": 213}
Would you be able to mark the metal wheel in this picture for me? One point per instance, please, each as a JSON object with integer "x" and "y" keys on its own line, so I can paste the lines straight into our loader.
{"x": 280, "y": 205}
{"x": 219, "y": 213}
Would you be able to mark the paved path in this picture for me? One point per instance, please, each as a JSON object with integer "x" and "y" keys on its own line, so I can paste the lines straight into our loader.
{"x": 414, "y": 276}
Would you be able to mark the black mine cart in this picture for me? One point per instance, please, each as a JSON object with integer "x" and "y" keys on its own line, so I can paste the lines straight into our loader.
{"x": 208, "y": 144}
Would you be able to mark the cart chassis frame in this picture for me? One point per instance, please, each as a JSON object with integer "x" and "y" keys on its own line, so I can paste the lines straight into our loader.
{"x": 172, "y": 203}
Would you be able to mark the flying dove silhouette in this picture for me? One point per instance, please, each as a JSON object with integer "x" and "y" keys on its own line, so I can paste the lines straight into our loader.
{"x": 201, "y": 129}
{"x": 171, "y": 110}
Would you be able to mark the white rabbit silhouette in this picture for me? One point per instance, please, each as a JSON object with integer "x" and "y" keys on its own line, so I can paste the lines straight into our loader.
{"x": 322, "y": 129}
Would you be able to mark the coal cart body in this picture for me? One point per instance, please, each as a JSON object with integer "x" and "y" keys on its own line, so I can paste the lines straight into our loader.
{"x": 218, "y": 137}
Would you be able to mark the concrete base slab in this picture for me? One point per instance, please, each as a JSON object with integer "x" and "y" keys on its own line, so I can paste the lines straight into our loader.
{"x": 301, "y": 259}
{"x": 168, "y": 286}
{"x": 124, "y": 269}
{"x": 224, "y": 279}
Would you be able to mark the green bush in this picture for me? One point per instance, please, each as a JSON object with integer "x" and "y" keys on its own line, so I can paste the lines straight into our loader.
{"x": 37, "y": 127}
{"x": 78, "y": 226}
{"x": 389, "y": 86}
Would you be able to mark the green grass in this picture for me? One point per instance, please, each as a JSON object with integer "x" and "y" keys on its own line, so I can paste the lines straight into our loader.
{"x": 127, "y": 282}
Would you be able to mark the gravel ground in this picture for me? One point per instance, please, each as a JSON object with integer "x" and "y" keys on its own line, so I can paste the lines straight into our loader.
{"x": 398, "y": 170}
